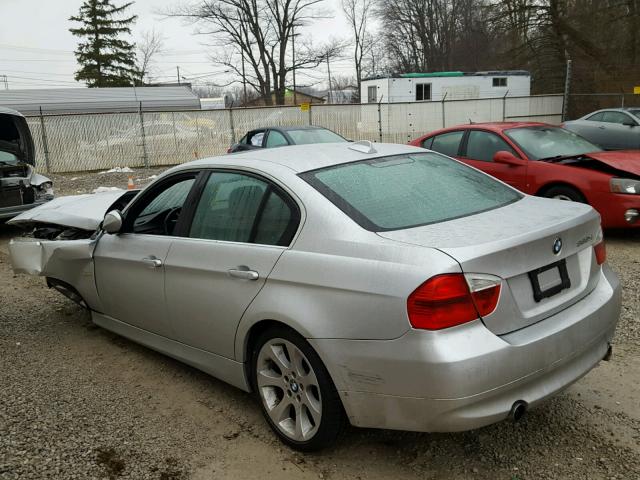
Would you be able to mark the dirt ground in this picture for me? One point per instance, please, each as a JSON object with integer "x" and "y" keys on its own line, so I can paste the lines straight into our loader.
{"x": 79, "y": 402}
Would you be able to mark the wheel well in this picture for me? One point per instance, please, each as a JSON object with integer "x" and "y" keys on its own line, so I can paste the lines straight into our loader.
{"x": 252, "y": 336}
{"x": 545, "y": 188}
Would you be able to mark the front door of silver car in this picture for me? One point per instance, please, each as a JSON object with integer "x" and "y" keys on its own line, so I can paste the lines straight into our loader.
{"x": 129, "y": 266}
{"x": 240, "y": 227}
{"x": 622, "y": 131}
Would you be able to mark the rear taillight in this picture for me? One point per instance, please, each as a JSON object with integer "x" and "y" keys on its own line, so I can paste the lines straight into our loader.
{"x": 601, "y": 252}
{"x": 452, "y": 299}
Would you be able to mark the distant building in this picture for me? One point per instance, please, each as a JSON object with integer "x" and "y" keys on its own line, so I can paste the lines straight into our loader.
{"x": 424, "y": 87}
{"x": 343, "y": 95}
{"x": 289, "y": 99}
{"x": 95, "y": 100}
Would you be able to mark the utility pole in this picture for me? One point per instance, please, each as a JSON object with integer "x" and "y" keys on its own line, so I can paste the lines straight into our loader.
{"x": 567, "y": 89}
{"x": 295, "y": 92}
{"x": 178, "y": 72}
{"x": 330, "y": 93}
{"x": 244, "y": 84}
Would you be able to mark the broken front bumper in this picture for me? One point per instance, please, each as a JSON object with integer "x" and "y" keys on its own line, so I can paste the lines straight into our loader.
{"x": 66, "y": 261}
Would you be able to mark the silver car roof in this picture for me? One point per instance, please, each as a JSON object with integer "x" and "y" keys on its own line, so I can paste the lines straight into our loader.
{"x": 301, "y": 158}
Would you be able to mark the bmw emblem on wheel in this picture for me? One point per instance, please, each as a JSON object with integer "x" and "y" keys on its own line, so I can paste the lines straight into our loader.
{"x": 557, "y": 245}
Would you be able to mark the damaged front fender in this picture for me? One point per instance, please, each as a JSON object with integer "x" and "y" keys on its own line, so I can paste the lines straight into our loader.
{"x": 68, "y": 261}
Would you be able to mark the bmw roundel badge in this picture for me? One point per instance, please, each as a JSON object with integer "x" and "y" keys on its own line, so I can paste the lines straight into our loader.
{"x": 557, "y": 246}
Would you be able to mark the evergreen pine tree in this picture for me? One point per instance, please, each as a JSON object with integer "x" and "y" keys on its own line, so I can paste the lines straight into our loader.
{"x": 106, "y": 60}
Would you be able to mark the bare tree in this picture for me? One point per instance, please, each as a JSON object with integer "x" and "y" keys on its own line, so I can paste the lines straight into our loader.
{"x": 357, "y": 13}
{"x": 252, "y": 38}
{"x": 147, "y": 49}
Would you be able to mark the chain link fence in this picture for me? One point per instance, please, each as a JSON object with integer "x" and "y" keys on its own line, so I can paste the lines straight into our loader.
{"x": 85, "y": 142}
{"x": 582, "y": 103}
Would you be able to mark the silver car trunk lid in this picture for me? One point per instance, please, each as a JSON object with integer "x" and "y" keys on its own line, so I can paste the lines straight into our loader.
{"x": 512, "y": 241}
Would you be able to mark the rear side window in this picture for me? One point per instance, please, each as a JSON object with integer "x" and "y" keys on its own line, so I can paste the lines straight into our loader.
{"x": 447, "y": 143}
{"x": 404, "y": 191}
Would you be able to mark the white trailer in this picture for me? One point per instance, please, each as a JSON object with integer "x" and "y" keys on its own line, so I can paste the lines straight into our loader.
{"x": 425, "y": 87}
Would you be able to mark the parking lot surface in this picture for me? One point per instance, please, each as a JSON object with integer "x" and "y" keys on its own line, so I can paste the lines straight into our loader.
{"x": 79, "y": 402}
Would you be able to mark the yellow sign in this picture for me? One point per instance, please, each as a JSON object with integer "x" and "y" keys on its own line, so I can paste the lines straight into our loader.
{"x": 304, "y": 107}
{"x": 636, "y": 90}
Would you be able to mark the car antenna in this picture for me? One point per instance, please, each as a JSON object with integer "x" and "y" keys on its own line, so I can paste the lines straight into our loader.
{"x": 363, "y": 146}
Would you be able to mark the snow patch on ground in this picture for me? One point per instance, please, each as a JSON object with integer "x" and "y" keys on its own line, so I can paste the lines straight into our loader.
{"x": 118, "y": 170}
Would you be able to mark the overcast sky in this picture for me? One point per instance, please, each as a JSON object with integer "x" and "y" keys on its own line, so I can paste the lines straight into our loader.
{"x": 36, "y": 48}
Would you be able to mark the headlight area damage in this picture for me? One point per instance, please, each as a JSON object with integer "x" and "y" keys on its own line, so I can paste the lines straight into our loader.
{"x": 21, "y": 188}
{"x": 59, "y": 239}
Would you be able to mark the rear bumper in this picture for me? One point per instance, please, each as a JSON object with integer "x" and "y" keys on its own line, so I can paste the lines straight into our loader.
{"x": 9, "y": 212}
{"x": 467, "y": 377}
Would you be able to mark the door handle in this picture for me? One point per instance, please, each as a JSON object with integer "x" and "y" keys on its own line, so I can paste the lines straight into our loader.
{"x": 243, "y": 274}
{"x": 152, "y": 262}
{"x": 602, "y": 127}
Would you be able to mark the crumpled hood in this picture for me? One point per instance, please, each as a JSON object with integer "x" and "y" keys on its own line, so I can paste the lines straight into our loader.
{"x": 77, "y": 211}
{"x": 624, "y": 160}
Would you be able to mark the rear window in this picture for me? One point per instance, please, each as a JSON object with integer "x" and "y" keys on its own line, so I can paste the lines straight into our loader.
{"x": 404, "y": 191}
{"x": 314, "y": 135}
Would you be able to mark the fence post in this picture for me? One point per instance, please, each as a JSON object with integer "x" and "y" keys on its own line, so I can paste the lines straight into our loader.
{"x": 567, "y": 90}
{"x": 380, "y": 120}
{"x": 45, "y": 143}
{"x": 622, "y": 100}
{"x": 444, "y": 118}
{"x": 504, "y": 106}
{"x": 145, "y": 157}
{"x": 310, "y": 117}
{"x": 233, "y": 130}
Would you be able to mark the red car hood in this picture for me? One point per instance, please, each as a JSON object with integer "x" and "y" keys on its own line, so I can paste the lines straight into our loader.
{"x": 625, "y": 160}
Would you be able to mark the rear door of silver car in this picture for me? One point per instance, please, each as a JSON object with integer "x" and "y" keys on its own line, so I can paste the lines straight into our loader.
{"x": 241, "y": 225}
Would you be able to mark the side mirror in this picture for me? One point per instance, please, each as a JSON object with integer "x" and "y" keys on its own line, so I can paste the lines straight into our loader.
{"x": 507, "y": 158}
{"x": 112, "y": 222}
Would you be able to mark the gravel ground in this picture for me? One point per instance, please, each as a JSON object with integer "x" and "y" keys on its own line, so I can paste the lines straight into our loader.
{"x": 79, "y": 402}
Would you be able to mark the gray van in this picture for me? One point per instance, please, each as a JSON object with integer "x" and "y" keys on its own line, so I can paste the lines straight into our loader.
{"x": 21, "y": 188}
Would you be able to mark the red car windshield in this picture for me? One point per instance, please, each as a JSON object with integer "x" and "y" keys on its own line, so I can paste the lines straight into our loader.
{"x": 546, "y": 142}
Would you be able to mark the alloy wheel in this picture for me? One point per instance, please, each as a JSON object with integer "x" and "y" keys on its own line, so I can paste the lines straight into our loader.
{"x": 289, "y": 389}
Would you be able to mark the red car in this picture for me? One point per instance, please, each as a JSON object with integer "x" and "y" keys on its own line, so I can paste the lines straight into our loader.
{"x": 541, "y": 159}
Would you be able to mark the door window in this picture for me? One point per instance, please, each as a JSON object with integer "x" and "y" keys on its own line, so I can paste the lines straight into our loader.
{"x": 598, "y": 117}
{"x": 447, "y": 143}
{"x": 276, "y": 139}
{"x": 616, "y": 117}
{"x": 158, "y": 212}
{"x": 240, "y": 208}
{"x": 484, "y": 145}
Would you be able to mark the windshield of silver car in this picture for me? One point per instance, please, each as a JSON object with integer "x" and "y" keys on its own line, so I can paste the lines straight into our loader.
{"x": 545, "y": 142}
{"x": 404, "y": 191}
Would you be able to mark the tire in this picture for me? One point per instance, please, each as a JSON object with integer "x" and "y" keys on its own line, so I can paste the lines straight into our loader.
{"x": 561, "y": 192}
{"x": 298, "y": 398}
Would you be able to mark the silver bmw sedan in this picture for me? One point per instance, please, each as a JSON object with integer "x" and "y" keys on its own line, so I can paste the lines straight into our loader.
{"x": 383, "y": 285}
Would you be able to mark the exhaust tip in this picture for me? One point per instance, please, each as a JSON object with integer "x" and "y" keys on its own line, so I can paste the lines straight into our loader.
{"x": 607, "y": 356}
{"x": 518, "y": 409}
